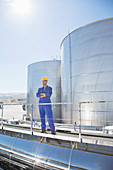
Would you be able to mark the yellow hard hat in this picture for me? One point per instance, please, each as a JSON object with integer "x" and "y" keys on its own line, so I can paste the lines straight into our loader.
{"x": 44, "y": 78}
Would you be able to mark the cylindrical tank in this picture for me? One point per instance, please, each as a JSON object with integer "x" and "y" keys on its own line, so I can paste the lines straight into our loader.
{"x": 52, "y": 70}
{"x": 87, "y": 73}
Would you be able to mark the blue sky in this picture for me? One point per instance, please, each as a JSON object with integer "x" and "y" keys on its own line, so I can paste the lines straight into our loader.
{"x": 36, "y": 34}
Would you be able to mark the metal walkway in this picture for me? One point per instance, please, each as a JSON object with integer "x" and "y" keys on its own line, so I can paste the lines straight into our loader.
{"x": 60, "y": 151}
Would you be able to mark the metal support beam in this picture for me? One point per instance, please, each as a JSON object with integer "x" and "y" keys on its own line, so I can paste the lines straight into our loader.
{"x": 80, "y": 138}
{"x": 32, "y": 119}
{"x": 2, "y": 118}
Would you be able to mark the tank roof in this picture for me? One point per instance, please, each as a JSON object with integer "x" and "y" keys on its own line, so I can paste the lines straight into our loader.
{"x": 84, "y": 26}
{"x": 43, "y": 62}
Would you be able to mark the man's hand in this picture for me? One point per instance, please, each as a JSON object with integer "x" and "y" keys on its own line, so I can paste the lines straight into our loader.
{"x": 42, "y": 95}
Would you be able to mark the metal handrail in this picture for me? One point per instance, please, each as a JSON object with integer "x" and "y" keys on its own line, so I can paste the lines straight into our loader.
{"x": 58, "y": 103}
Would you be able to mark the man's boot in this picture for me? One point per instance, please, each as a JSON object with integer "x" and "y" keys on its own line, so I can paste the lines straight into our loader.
{"x": 53, "y": 132}
{"x": 43, "y": 131}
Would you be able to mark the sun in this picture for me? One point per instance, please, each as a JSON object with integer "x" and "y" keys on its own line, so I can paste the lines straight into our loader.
{"x": 22, "y": 7}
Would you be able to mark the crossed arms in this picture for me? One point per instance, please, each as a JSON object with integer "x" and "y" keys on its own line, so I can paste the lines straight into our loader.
{"x": 46, "y": 94}
{"x": 42, "y": 95}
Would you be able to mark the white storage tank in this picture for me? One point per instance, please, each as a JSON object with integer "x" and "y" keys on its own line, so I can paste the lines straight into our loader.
{"x": 52, "y": 70}
{"x": 87, "y": 73}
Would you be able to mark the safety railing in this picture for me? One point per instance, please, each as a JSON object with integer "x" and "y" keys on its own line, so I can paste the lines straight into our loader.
{"x": 79, "y": 112}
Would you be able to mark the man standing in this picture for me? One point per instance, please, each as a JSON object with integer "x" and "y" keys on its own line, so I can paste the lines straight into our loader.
{"x": 44, "y": 93}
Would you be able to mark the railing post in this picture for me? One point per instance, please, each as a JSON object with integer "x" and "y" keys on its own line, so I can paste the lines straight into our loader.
{"x": 2, "y": 118}
{"x": 80, "y": 137}
{"x": 32, "y": 119}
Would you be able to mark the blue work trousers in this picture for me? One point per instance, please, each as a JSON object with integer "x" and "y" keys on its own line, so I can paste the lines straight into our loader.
{"x": 46, "y": 109}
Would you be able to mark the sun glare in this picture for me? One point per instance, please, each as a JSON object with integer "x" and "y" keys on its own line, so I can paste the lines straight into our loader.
{"x": 22, "y": 7}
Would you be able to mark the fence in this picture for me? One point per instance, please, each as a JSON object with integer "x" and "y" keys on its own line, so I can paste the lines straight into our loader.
{"x": 80, "y": 110}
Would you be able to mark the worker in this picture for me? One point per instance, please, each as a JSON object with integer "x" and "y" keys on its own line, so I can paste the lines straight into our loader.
{"x": 44, "y": 93}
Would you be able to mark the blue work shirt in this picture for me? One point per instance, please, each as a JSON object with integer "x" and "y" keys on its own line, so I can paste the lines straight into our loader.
{"x": 48, "y": 93}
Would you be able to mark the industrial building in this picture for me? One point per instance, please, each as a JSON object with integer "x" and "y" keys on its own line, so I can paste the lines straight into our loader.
{"x": 87, "y": 66}
{"x": 51, "y": 69}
